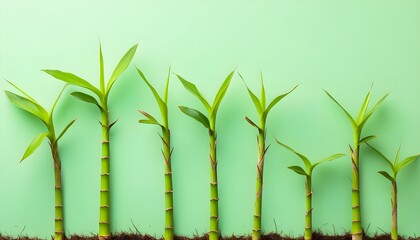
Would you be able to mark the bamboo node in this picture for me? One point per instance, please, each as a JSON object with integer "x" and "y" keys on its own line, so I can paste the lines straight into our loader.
{"x": 309, "y": 211}
{"x": 58, "y": 232}
{"x": 58, "y": 219}
{"x": 308, "y": 227}
{"x": 105, "y": 174}
{"x": 169, "y": 209}
{"x": 353, "y": 207}
{"x": 104, "y": 206}
{"x": 168, "y": 173}
{"x": 57, "y": 205}
{"x": 57, "y": 187}
{"x": 309, "y": 194}
{"x": 256, "y": 230}
{"x": 169, "y": 191}
{"x": 104, "y": 190}
{"x": 105, "y": 141}
{"x": 214, "y": 231}
{"x": 356, "y": 221}
{"x": 169, "y": 228}
{"x": 214, "y": 199}
{"x": 215, "y": 217}
{"x": 103, "y": 222}
{"x": 256, "y": 215}
{"x": 213, "y": 183}
{"x": 105, "y": 157}
{"x": 354, "y": 189}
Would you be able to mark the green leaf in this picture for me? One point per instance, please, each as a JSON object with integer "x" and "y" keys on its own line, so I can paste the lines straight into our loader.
{"x": 263, "y": 97}
{"x": 193, "y": 89}
{"x": 162, "y": 105}
{"x": 65, "y": 130}
{"x": 29, "y": 106}
{"x": 276, "y": 100}
{"x": 252, "y": 123}
{"x": 121, "y": 67}
{"x": 383, "y": 156}
{"x": 85, "y": 98}
{"x": 101, "y": 70}
{"x": 34, "y": 145}
{"x": 150, "y": 120}
{"x": 367, "y": 139}
{"x": 221, "y": 93}
{"x": 397, "y": 156}
{"x": 254, "y": 98}
{"x": 363, "y": 109}
{"x": 328, "y": 159}
{"x": 165, "y": 92}
{"x": 387, "y": 176}
{"x": 197, "y": 115}
{"x": 56, "y": 100}
{"x": 298, "y": 170}
{"x": 305, "y": 160}
{"x": 72, "y": 79}
{"x": 406, "y": 161}
{"x": 353, "y": 123}
{"x": 367, "y": 115}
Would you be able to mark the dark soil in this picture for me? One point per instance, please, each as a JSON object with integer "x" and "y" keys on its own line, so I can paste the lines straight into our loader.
{"x": 270, "y": 236}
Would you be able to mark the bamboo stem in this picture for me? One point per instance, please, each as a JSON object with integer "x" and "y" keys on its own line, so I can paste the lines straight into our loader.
{"x": 169, "y": 218}
{"x": 394, "y": 203}
{"x": 104, "y": 208}
{"x": 59, "y": 213}
{"x": 356, "y": 228}
{"x": 308, "y": 215}
{"x": 214, "y": 195}
{"x": 256, "y": 231}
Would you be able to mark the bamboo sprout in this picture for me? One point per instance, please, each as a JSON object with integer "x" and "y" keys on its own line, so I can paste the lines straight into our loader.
{"x": 166, "y": 152}
{"x": 262, "y": 110}
{"x": 209, "y": 123}
{"x": 27, "y": 103}
{"x": 308, "y": 184}
{"x": 358, "y": 124}
{"x": 101, "y": 94}
{"x": 395, "y": 167}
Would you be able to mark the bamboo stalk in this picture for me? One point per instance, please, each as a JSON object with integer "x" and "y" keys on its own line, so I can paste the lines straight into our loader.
{"x": 169, "y": 208}
{"x": 256, "y": 231}
{"x": 59, "y": 214}
{"x": 214, "y": 194}
{"x": 104, "y": 207}
{"x": 356, "y": 228}
{"x": 308, "y": 214}
{"x": 394, "y": 203}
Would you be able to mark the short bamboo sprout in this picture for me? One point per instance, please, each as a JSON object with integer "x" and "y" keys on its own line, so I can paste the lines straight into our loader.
{"x": 358, "y": 124}
{"x": 262, "y": 110}
{"x": 308, "y": 184}
{"x": 395, "y": 167}
{"x": 100, "y": 94}
{"x": 209, "y": 123}
{"x": 27, "y": 103}
{"x": 167, "y": 151}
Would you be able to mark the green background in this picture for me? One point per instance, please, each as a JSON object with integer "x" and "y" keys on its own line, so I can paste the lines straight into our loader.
{"x": 342, "y": 46}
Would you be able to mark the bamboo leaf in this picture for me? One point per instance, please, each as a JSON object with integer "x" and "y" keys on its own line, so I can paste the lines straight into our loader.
{"x": 363, "y": 109}
{"x": 328, "y": 159}
{"x": 85, "y": 98}
{"x": 72, "y": 79}
{"x": 298, "y": 170}
{"x": 221, "y": 93}
{"x": 397, "y": 156}
{"x": 387, "y": 176}
{"x": 28, "y": 105}
{"x": 34, "y": 145}
{"x": 383, "y": 156}
{"x": 254, "y": 98}
{"x": 305, "y": 160}
{"x": 263, "y": 97}
{"x": 369, "y": 114}
{"x": 276, "y": 100}
{"x": 165, "y": 92}
{"x": 193, "y": 89}
{"x": 252, "y": 123}
{"x": 101, "y": 70}
{"x": 56, "y": 100}
{"x": 162, "y": 105}
{"x": 353, "y": 123}
{"x": 367, "y": 139}
{"x": 406, "y": 161}
{"x": 121, "y": 67}
{"x": 65, "y": 130}
{"x": 150, "y": 117}
{"x": 149, "y": 121}
{"x": 23, "y": 92}
{"x": 197, "y": 115}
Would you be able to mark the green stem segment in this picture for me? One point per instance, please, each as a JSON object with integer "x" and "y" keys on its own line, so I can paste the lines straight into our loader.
{"x": 104, "y": 208}
{"x": 214, "y": 195}
{"x": 356, "y": 228}
{"x": 308, "y": 215}
{"x": 59, "y": 216}
{"x": 256, "y": 231}
{"x": 169, "y": 209}
{"x": 394, "y": 203}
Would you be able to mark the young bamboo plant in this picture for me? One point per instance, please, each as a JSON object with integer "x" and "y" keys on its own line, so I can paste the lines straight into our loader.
{"x": 395, "y": 169}
{"x": 27, "y": 103}
{"x": 166, "y": 152}
{"x": 308, "y": 184}
{"x": 100, "y": 94}
{"x": 358, "y": 124}
{"x": 262, "y": 110}
{"x": 209, "y": 123}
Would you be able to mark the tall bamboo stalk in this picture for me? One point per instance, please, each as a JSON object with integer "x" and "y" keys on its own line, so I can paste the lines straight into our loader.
{"x": 394, "y": 203}
{"x": 308, "y": 215}
{"x": 210, "y": 124}
{"x": 262, "y": 110}
{"x": 29, "y": 104}
{"x": 100, "y": 94}
{"x": 357, "y": 125}
{"x": 167, "y": 151}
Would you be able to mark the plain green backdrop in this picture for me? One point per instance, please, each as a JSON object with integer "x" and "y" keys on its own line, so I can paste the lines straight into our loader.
{"x": 342, "y": 46}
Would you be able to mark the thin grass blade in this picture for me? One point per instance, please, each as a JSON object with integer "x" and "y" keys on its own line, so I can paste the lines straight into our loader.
{"x": 328, "y": 159}
{"x": 254, "y": 98}
{"x": 276, "y": 100}
{"x": 65, "y": 129}
{"x": 383, "y": 156}
{"x": 34, "y": 145}
{"x": 121, "y": 67}
{"x": 353, "y": 123}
